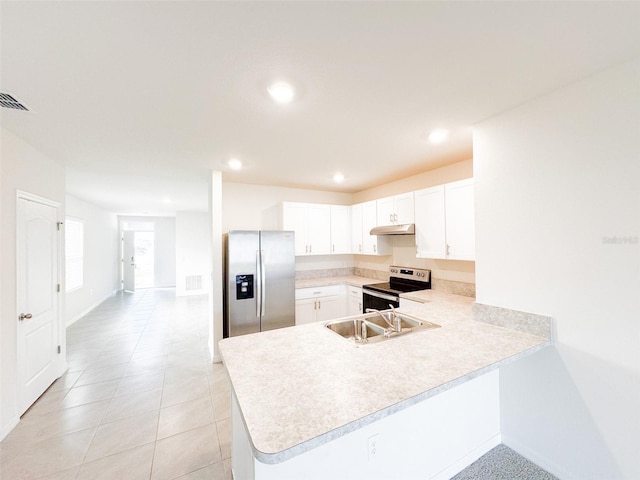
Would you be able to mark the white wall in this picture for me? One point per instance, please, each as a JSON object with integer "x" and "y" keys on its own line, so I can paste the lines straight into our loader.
{"x": 101, "y": 258}
{"x": 23, "y": 168}
{"x": 193, "y": 243}
{"x": 257, "y": 207}
{"x": 164, "y": 246}
{"x": 555, "y": 179}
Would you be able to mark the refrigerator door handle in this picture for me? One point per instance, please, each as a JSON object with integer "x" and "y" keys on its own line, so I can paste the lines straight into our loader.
{"x": 258, "y": 283}
{"x": 263, "y": 282}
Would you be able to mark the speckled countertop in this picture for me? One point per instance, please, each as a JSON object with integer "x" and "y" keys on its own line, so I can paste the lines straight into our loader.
{"x": 303, "y": 386}
{"x": 353, "y": 280}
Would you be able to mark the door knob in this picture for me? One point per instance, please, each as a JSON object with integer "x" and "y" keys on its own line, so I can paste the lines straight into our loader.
{"x": 24, "y": 316}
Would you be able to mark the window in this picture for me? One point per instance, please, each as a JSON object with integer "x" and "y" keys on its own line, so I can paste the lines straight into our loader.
{"x": 73, "y": 253}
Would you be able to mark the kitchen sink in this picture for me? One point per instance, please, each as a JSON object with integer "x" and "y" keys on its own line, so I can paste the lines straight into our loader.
{"x": 377, "y": 326}
{"x": 387, "y": 318}
{"x": 357, "y": 330}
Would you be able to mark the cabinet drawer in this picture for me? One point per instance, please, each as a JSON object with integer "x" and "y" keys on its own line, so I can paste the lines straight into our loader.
{"x": 355, "y": 292}
{"x": 302, "y": 293}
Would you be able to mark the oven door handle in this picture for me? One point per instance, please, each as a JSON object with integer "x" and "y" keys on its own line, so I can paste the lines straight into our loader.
{"x": 379, "y": 295}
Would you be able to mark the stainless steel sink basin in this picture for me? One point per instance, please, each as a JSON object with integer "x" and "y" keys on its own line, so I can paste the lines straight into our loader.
{"x": 357, "y": 330}
{"x": 387, "y": 319}
{"x": 377, "y": 326}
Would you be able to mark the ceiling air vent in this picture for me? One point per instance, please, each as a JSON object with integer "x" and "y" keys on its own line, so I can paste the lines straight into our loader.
{"x": 8, "y": 101}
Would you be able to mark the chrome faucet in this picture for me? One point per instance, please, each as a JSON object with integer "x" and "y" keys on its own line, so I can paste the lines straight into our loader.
{"x": 396, "y": 326}
{"x": 397, "y": 321}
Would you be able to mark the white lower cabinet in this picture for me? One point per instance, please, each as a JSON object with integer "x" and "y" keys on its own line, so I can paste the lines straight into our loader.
{"x": 322, "y": 303}
{"x": 354, "y": 300}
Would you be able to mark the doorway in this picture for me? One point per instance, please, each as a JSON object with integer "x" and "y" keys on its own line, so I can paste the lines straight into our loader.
{"x": 143, "y": 243}
{"x": 138, "y": 260}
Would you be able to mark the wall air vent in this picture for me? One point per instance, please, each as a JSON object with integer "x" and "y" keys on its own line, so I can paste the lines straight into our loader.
{"x": 8, "y": 101}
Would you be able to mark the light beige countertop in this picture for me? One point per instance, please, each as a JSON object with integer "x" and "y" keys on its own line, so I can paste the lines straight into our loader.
{"x": 303, "y": 386}
{"x": 424, "y": 296}
{"x": 352, "y": 280}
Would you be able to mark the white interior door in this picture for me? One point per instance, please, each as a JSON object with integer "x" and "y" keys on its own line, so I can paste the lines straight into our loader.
{"x": 39, "y": 322}
{"x": 128, "y": 261}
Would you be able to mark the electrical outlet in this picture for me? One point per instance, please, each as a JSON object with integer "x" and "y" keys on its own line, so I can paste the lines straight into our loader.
{"x": 374, "y": 448}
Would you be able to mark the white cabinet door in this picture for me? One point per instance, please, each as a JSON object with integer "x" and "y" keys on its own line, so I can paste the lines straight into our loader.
{"x": 385, "y": 211}
{"x": 294, "y": 217}
{"x": 319, "y": 304}
{"x": 445, "y": 221}
{"x": 369, "y": 221}
{"x": 354, "y": 301}
{"x": 430, "y": 223}
{"x": 306, "y": 311}
{"x": 397, "y": 210}
{"x": 373, "y": 244}
{"x": 319, "y": 232}
{"x": 311, "y": 224}
{"x": 331, "y": 307}
{"x": 459, "y": 214}
{"x": 340, "y": 229}
{"x": 404, "y": 206}
{"x": 356, "y": 228}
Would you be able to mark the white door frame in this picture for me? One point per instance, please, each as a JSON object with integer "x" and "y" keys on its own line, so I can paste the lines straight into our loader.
{"x": 61, "y": 360}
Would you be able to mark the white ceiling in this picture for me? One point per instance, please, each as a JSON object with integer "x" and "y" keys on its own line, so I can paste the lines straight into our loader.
{"x": 141, "y": 99}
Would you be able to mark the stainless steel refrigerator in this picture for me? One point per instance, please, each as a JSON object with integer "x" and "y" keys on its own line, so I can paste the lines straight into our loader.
{"x": 260, "y": 281}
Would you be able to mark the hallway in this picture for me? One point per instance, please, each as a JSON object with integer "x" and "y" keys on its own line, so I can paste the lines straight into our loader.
{"x": 141, "y": 399}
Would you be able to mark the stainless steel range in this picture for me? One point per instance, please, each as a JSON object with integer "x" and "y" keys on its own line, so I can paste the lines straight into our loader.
{"x": 401, "y": 280}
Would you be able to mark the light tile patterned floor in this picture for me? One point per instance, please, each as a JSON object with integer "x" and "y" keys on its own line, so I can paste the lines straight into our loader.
{"x": 141, "y": 399}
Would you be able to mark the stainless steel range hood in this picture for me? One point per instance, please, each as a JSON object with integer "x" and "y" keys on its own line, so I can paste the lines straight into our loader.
{"x": 406, "y": 229}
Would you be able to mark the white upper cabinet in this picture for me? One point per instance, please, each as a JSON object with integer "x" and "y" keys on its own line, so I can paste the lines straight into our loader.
{"x": 311, "y": 224}
{"x": 430, "y": 223}
{"x": 356, "y": 228}
{"x": 340, "y": 229}
{"x": 459, "y": 214}
{"x": 369, "y": 221}
{"x": 396, "y": 210}
{"x": 445, "y": 221}
{"x": 386, "y": 211}
{"x": 372, "y": 244}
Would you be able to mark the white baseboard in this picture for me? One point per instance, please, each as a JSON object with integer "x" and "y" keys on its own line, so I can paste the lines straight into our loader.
{"x": 533, "y": 456}
{"x": 468, "y": 459}
{"x": 87, "y": 310}
{"x": 7, "y": 428}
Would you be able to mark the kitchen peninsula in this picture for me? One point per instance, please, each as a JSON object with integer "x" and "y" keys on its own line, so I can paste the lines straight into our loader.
{"x": 309, "y": 404}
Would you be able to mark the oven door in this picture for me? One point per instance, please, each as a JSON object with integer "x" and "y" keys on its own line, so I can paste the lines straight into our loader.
{"x": 378, "y": 300}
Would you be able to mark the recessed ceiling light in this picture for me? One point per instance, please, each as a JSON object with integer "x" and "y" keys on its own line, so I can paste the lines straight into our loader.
{"x": 438, "y": 135}
{"x": 281, "y": 92}
{"x": 338, "y": 177}
{"x": 166, "y": 200}
{"x": 234, "y": 164}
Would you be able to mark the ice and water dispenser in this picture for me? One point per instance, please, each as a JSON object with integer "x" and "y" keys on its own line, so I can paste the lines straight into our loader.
{"x": 244, "y": 287}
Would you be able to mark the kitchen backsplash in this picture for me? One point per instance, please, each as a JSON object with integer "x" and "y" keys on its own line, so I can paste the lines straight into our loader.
{"x": 324, "y": 273}
{"x": 448, "y": 286}
{"x": 381, "y": 275}
{"x": 533, "y": 323}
